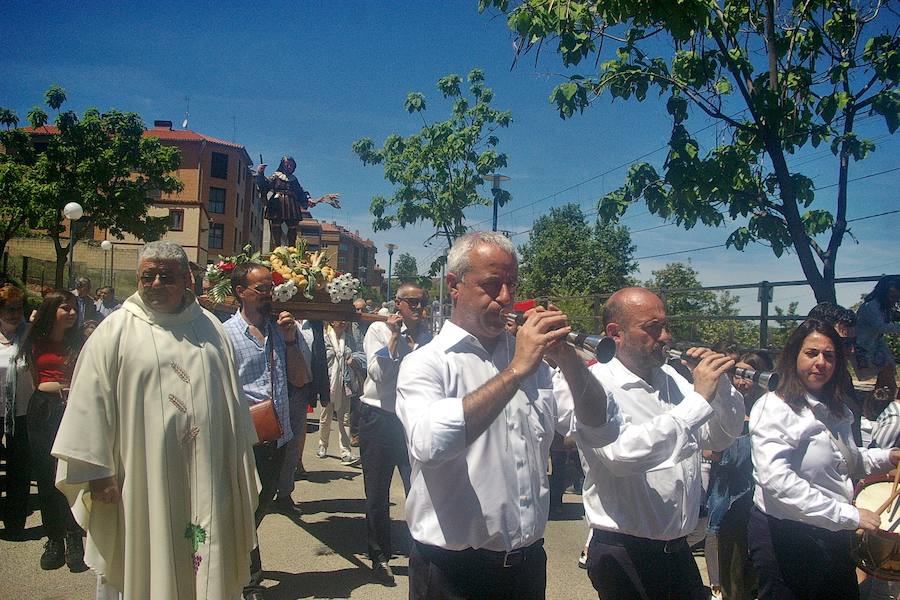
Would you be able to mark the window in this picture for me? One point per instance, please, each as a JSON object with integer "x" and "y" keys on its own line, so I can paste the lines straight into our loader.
{"x": 176, "y": 219}
{"x": 216, "y": 236}
{"x": 240, "y": 170}
{"x": 217, "y": 200}
{"x": 219, "y": 168}
{"x": 344, "y": 247}
{"x": 312, "y": 248}
{"x": 311, "y": 231}
{"x": 237, "y": 205}
{"x": 342, "y": 260}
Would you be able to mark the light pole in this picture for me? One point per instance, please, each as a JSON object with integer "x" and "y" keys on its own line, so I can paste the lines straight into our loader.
{"x": 496, "y": 180}
{"x": 72, "y": 211}
{"x": 390, "y": 249}
{"x": 362, "y": 275}
{"x": 107, "y": 247}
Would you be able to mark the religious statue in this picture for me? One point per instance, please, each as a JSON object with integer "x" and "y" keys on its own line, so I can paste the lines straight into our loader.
{"x": 285, "y": 199}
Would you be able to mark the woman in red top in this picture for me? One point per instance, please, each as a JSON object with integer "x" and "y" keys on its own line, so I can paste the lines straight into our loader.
{"x": 50, "y": 348}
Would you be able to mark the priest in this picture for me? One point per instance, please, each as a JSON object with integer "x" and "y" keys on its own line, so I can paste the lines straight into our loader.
{"x": 156, "y": 445}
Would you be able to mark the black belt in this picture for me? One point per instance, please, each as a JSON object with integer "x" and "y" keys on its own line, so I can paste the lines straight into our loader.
{"x": 615, "y": 538}
{"x": 513, "y": 558}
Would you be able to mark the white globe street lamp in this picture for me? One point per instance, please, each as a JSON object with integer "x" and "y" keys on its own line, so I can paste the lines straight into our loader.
{"x": 108, "y": 248}
{"x": 72, "y": 211}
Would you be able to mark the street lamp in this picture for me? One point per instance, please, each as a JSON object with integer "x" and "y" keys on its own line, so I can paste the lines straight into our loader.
{"x": 108, "y": 247}
{"x": 72, "y": 211}
{"x": 390, "y": 248}
{"x": 362, "y": 274}
{"x": 496, "y": 180}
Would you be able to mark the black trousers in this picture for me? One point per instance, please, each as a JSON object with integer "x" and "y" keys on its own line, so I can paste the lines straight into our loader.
{"x": 45, "y": 412}
{"x": 382, "y": 446}
{"x": 438, "y": 574}
{"x": 18, "y": 476}
{"x": 268, "y": 465}
{"x": 794, "y": 560}
{"x": 624, "y": 567}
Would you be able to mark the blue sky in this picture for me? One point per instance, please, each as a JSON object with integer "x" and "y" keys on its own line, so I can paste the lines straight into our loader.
{"x": 310, "y": 78}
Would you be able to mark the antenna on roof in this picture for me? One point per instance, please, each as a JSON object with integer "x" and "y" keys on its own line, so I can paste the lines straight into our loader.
{"x": 187, "y": 112}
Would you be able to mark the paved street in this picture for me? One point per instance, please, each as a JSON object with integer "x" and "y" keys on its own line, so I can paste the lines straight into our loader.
{"x": 321, "y": 555}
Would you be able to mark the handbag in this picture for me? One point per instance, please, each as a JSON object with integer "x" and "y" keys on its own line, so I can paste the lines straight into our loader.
{"x": 265, "y": 419}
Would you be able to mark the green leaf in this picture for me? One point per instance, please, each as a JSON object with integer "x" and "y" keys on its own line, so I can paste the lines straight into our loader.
{"x": 415, "y": 102}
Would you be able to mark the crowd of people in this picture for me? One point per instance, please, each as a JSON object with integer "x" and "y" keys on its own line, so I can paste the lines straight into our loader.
{"x": 160, "y": 441}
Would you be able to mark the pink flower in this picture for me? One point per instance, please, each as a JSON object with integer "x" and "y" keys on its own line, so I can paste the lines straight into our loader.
{"x": 226, "y": 267}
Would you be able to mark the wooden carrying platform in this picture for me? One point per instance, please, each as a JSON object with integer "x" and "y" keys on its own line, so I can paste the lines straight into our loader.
{"x": 320, "y": 308}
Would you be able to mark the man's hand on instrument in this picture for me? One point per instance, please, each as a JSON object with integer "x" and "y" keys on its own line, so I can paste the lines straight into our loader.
{"x": 544, "y": 329}
{"x": 287, "y": 325}
{"x": 868, "y": 520}
{"x": 895, "y": 456}
{"x": 105, "y": 490}
{"x": 707, "y": 371}
{"x": 394, "y": 322}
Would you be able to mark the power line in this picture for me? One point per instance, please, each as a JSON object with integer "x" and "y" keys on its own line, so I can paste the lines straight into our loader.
{"x": 599, "y": 175}
{"x": 890, "y": 212}
{"x": 680, "y": 252}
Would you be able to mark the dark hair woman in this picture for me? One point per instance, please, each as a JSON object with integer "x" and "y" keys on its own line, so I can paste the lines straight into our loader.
{"x": 50, "y": 348}
{"x": 874, "y": 320}
{"x": 804, "y": 460}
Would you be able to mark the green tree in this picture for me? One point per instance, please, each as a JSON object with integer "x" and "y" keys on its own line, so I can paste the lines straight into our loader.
{"x": 103, "y": 162}
{"x": 406, "y": 268}
{"x": 566, "y": 259}
{"x": 20, "y": 189}
{"x": 439, "y": 170}
{"x": 777, "y": 79}
{"x": 686, "y": 307}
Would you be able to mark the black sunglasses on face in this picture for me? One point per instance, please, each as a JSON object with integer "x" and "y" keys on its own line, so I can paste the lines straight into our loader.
{"x": 413, "y": 302}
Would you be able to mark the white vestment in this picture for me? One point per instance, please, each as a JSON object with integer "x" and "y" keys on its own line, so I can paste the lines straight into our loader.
{"x": 156, "y": 402}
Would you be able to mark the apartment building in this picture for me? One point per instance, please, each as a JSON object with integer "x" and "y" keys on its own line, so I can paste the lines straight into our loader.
{"x": 218, "y": 211}
{"x": 348, "y": 252}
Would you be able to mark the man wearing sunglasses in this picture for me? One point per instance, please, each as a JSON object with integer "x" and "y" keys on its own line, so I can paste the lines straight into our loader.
{"x": 268, "y": 356}
{"x": 382, "y": 443}
{"x": 479, "y": 409}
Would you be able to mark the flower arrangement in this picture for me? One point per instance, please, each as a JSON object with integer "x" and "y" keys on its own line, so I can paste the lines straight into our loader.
{"x": 294, "y": 270}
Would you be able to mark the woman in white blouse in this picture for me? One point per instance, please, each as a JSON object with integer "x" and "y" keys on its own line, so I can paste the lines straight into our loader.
{"x": 804, "y": 458}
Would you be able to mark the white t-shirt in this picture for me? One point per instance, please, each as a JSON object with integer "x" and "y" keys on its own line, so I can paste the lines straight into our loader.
{"x": 24, "y": 383}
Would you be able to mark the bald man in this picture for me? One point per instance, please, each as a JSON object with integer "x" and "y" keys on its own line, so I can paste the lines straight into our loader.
{"x": 642, "y": 468}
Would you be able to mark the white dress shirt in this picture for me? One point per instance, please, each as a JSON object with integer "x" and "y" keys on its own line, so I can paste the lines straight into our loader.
{"x": 642, "y": 468}
{"x": 800, "y": 474}
{"x": 380, "y": 389}
{"x": 492, "y": 494}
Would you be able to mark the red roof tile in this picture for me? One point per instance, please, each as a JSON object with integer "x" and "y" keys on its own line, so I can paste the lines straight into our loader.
{"x": 159, "y": 132}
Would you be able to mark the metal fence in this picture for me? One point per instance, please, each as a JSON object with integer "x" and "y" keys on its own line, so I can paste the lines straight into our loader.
{"x": 42, "y": 274}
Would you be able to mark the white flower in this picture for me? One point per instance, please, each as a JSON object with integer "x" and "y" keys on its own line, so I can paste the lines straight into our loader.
{"x": 284, "y": 291}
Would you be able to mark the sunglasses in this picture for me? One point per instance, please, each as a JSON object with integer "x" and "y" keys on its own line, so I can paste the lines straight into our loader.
{"x": 262, "y": 288}
{"x": 413, "y": 302}
{"x": 164, "y": 278}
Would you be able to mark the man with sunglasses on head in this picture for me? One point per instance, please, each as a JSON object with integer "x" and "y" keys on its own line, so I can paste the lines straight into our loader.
{"x": 382, "y": 443}
{"x": 479, "y": 409}
{"x": 267, "y": 354}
